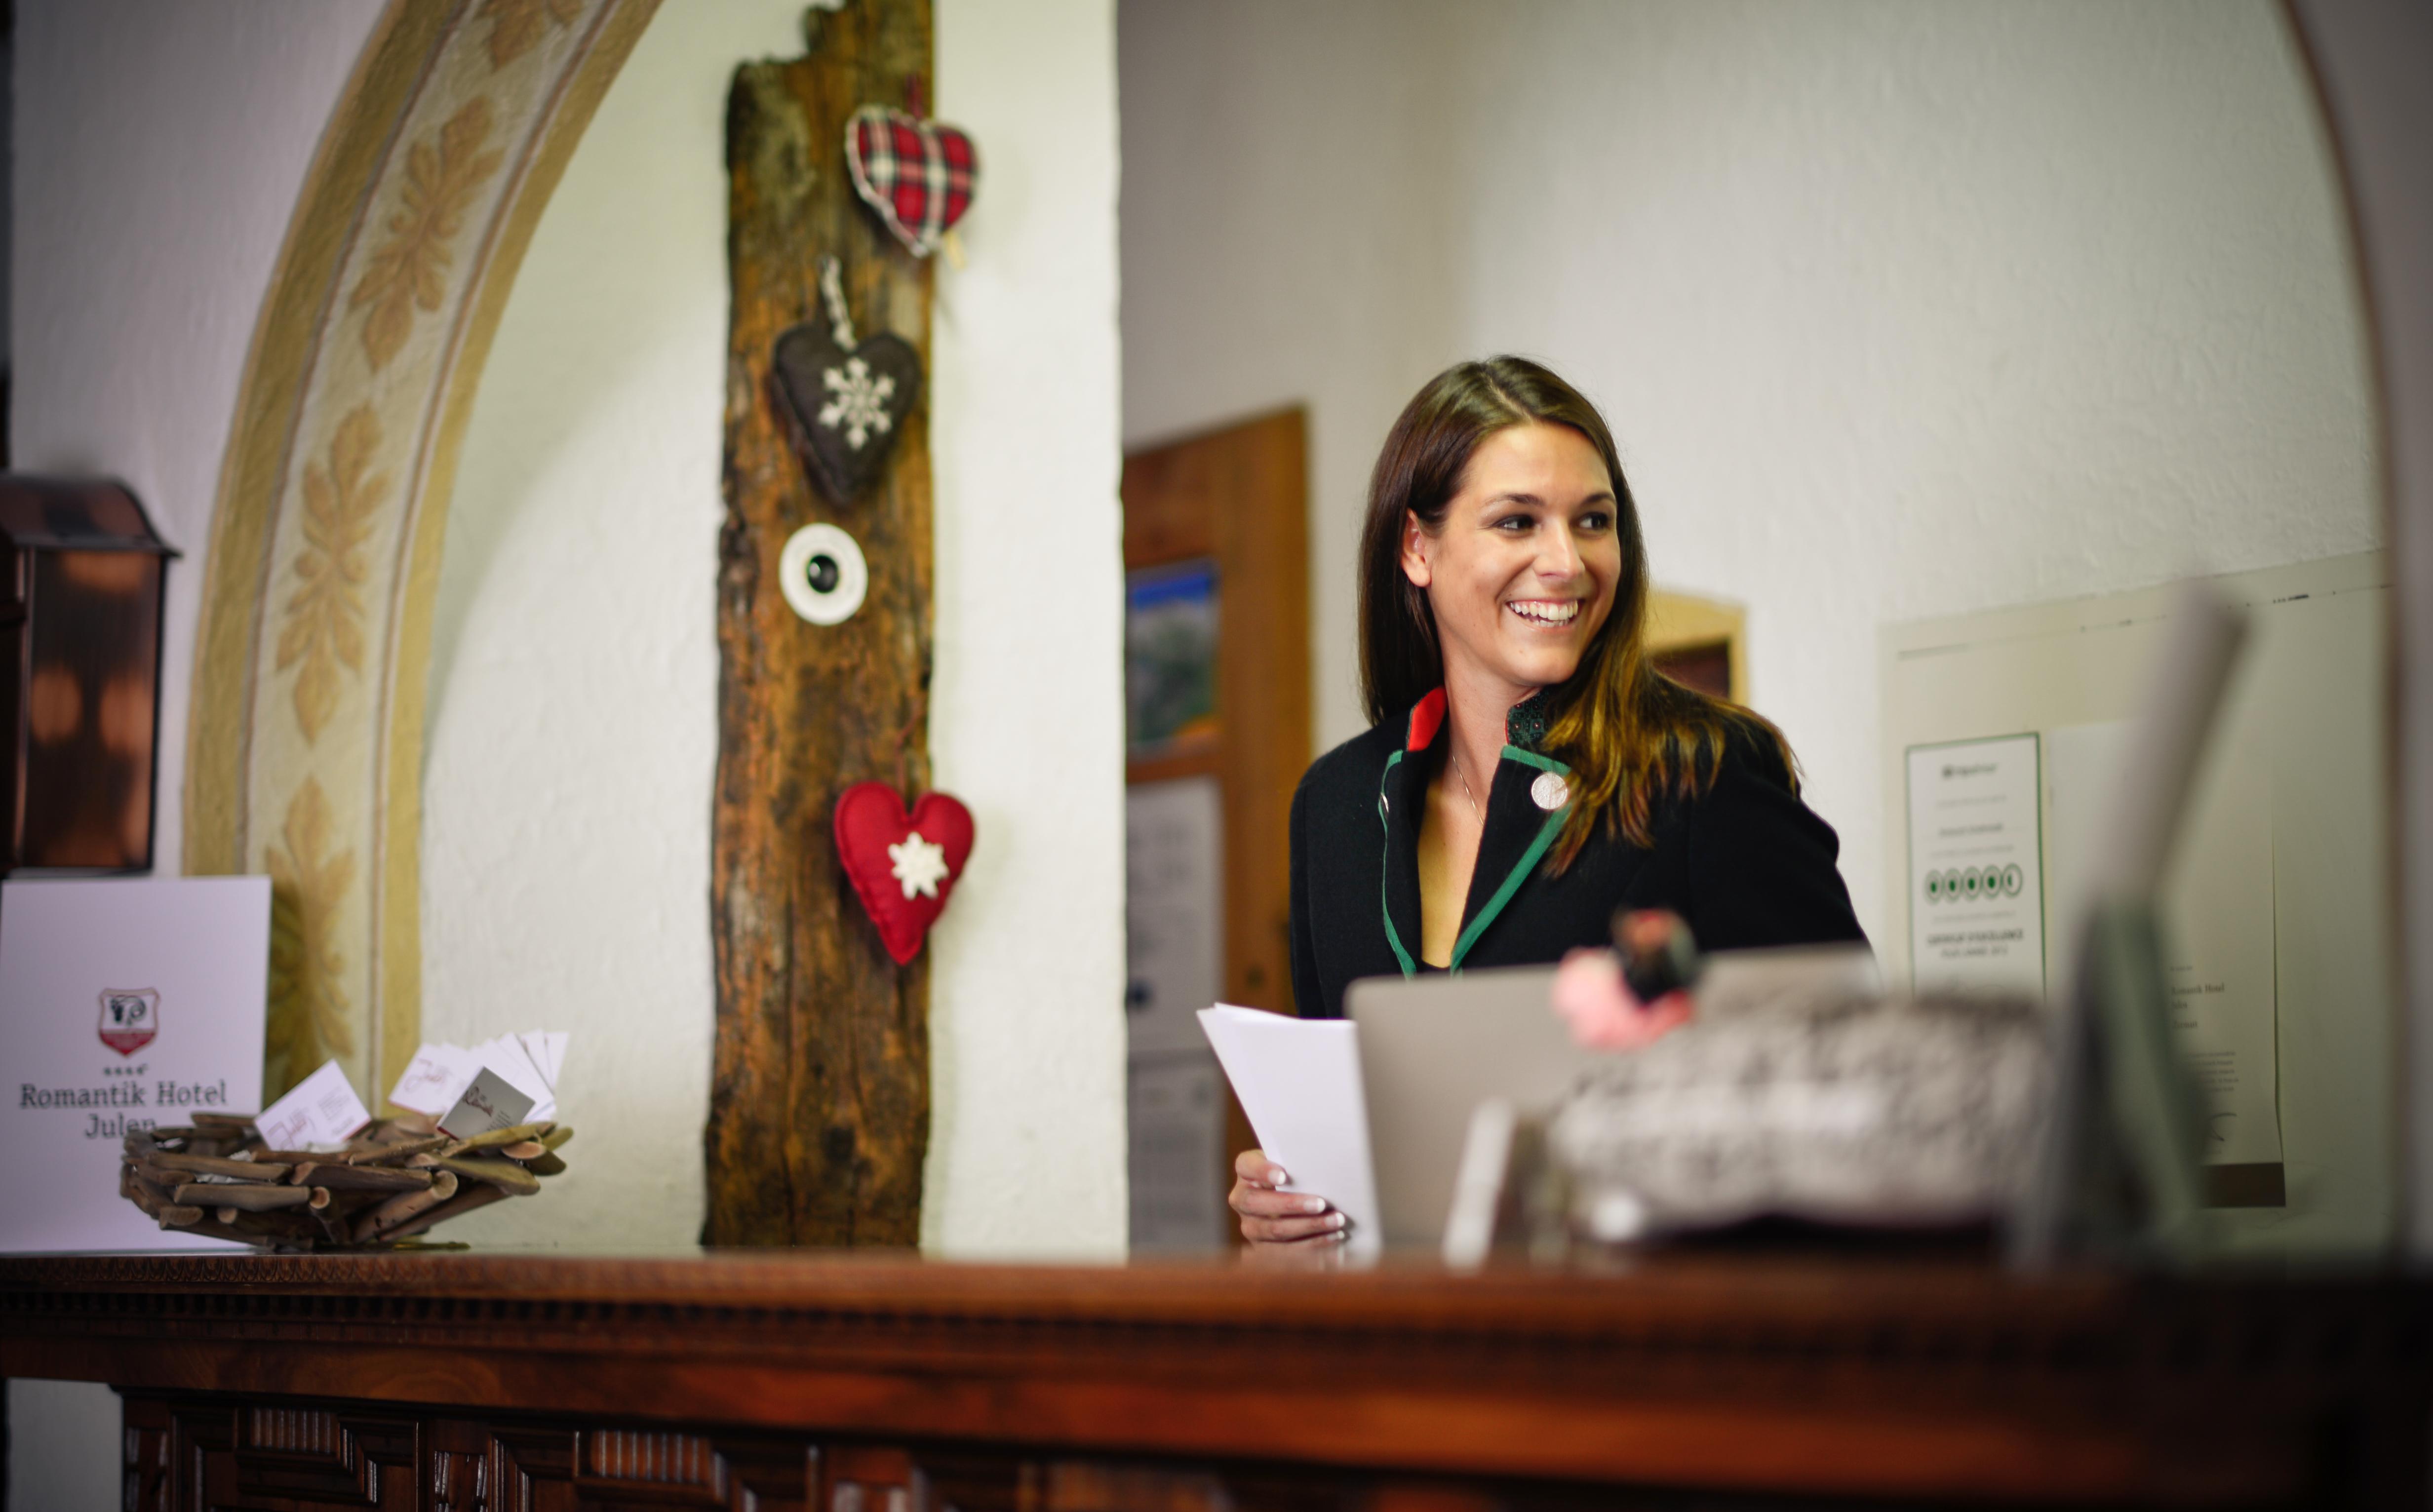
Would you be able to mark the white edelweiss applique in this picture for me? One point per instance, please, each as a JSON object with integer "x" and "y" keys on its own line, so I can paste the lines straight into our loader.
{"x": 918, "y": 864}
{"x": 860, "y": 404}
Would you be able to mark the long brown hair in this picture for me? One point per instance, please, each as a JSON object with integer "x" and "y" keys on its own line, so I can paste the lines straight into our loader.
{"x": 1628, "y": 732}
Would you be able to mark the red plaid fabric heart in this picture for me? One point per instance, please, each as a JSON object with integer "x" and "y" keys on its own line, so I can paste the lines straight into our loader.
{"x": 918, "y": 174}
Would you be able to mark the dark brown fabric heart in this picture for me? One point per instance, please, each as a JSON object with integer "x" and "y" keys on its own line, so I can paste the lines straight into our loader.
{"x": 844, "y": 407}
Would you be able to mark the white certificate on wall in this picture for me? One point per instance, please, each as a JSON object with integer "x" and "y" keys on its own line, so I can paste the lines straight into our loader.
{"x": 1976, "y": 867}
{"x": 2219, "y": 924}
{"x": 125, "y": 1003}
{"x": 1173, "y": 911}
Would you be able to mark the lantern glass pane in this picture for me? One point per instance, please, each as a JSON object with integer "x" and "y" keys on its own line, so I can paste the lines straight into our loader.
{"x": 92, "y": 689}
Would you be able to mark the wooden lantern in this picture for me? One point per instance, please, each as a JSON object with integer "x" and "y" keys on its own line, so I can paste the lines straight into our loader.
{"x": 79, "y": 674}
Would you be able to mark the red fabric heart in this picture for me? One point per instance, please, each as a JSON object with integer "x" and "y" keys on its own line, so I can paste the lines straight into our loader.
{"x": 903, "y": 866}
{"x": 918, "y": 174}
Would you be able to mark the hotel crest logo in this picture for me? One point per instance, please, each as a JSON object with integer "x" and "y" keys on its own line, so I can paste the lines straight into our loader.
{"x": 129, "y": 1019}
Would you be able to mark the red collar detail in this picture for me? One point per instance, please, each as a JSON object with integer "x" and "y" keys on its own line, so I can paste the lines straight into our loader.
{"x": 1427, "y": 716}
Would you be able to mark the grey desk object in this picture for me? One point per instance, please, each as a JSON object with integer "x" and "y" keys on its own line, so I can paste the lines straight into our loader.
{"x": 1433, "y": 1048}
{"x": 2116, "y": 1174}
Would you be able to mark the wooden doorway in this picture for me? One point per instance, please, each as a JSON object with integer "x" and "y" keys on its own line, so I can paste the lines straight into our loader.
{"x": 1702, "y": 642}
{"x": 1218, "y": 729}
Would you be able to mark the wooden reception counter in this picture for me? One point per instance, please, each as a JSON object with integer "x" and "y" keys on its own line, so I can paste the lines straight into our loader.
{"x": 854, "y": 1384}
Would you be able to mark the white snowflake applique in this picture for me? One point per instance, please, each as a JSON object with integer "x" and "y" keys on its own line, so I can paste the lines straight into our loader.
{"x": 918, "y": 864}
{"x": 860, "y": 403}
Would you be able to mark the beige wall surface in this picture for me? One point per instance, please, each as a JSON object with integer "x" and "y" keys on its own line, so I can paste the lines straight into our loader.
{"x": 1897, "y": 309}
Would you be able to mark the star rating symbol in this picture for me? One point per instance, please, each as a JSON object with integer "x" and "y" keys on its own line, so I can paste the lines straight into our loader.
{"x": 918, "y": 864}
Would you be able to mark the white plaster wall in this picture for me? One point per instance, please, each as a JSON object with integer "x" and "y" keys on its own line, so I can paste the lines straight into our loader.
{"x": 573, "y": 720}
{"x": 573, "y": 731}
{"x": 159, "y": 149}
{"x": 1027, "y": 721}
{"x": 1896, "y": 309}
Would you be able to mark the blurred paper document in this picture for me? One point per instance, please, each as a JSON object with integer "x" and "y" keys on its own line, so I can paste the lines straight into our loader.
{"x": 1299, "y": 1085}
{"x": 2219, "y": 915}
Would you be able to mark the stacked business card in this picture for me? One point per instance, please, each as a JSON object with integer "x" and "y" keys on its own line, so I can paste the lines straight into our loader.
{"x": 496, "y": 1084}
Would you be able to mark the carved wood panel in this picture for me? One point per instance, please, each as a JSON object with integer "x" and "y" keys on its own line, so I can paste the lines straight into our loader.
{"x": 215, "y": 1455}
{"x": 145, "y": 1433}
{"x": 459, "y": 1482}
{"x": 191, "y": 1455}
{"x": 614, "y": 1470}
{"x": 291, "y": 1458}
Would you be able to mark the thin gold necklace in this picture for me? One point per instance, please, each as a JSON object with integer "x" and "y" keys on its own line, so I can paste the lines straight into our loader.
{"x": 1464, "y": 778}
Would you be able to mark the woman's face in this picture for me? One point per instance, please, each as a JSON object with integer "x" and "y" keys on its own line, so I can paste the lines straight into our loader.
{"x": 1522, "y": 575}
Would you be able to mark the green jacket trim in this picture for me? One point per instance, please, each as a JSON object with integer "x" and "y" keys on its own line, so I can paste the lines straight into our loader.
{"x": 1511, "y": 883}
{"x": 1384, "y": 901}
{"x": 1529, "y": 859}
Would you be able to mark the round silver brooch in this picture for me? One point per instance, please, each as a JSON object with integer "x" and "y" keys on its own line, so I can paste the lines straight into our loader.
{"x": 1550, "y": 791}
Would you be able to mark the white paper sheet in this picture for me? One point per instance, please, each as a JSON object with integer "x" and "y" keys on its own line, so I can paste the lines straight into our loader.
{"x": 1173, "y": 909}
{"x": 2218, "y": 925}
{"x": 1299, "y": 1081}
{"x": 1175, "y": 1111}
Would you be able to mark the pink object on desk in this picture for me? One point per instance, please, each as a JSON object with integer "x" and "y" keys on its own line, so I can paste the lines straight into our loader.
{"x": 1588, "y": 994}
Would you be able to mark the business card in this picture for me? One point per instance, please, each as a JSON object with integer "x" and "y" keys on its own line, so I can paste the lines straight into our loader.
{"x": 491, "y": 1101}
{"x": 322, "y": 1109}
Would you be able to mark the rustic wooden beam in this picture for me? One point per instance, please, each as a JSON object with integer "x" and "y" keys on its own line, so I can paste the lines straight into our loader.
{"x": 819, "y": 1114}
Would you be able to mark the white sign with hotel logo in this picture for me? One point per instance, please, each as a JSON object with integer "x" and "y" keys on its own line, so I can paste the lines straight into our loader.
{"x": 124, "y": 1004}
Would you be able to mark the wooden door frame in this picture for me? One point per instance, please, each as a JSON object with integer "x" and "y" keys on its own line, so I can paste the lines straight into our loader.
{"x": 1249, "y": 513}
{"x": 1239, "y": 494}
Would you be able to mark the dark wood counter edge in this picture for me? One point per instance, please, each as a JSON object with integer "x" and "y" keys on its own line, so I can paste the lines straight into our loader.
{"x": 1864, "y": 1378}
{"x": 1496, "y": 1298}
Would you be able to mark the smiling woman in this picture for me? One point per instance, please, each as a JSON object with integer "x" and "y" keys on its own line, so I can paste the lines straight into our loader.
{"x": 1519, "y": 570}
{"x": 1529, "y": 769}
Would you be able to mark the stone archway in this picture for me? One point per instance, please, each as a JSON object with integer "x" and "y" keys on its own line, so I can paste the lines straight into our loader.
{"x": 304, "y": 749}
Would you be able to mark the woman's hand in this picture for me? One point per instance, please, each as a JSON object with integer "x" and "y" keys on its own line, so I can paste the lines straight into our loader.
{"x": 1591, "y": 995}
{"x": 1273, "y": 1216}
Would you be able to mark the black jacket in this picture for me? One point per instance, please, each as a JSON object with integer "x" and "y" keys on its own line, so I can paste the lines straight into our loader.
{"x": 1745, "y": 862}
